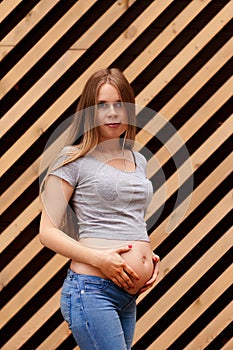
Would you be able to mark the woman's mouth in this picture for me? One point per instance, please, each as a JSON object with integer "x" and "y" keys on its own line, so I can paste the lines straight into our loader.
{"x": 113, "y": 125}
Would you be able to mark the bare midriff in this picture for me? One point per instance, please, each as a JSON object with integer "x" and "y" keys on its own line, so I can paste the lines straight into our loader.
{"x": 139, "y": 257}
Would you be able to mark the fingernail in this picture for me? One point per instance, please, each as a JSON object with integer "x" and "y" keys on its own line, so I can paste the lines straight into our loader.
{"x": 130, "y": 246}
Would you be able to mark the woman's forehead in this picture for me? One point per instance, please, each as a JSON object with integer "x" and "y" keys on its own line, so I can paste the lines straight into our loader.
{"x": 108, "y": 92}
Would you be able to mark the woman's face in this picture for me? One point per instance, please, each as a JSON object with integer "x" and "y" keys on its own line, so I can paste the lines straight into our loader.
{"x": 111, "y": 117}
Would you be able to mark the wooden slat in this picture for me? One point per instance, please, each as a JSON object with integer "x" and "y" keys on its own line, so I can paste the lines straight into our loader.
{"x": 28, "y": 22}
{"x": 182, "y": 285}
{"x": 6, "y": 7}
{"x": 213, "y": 329}
{"x": 55, "y": 338}
{"x": 165, "y": 38}
{"x": 211, "y": 67}
{"x": 60, "y": 67}
{"x": 185, "y": 55}
{"x": 169, "y": 21}
{"x": 42, "y": 46}
{"x": 34, "y": 323}
{"x": 19, "y": 224}
{"x": 197, "y": 159}
{"x": 194, "y": 237}
{"x": 32, "y": 287}
{"x": 20, "y": 261}
{"x": 193, "y": 312}
{"x": 71, "y": 94}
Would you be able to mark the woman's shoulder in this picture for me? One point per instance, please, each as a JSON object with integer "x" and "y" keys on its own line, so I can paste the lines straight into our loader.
{"x": 140, "y": 158}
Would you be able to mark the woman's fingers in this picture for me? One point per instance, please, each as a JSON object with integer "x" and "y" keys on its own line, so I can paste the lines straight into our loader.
{"x": 153, "y": 278}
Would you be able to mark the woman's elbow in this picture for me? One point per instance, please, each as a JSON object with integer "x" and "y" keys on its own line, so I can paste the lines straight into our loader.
{"x": 42, "y": 238}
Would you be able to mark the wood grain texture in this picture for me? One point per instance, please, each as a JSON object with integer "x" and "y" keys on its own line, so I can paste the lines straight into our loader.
{"x": 177, "y": 57}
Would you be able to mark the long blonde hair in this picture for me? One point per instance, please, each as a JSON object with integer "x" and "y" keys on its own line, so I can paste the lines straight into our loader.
{"x": 84, "y": 133}
{"x": 84, "y": 121}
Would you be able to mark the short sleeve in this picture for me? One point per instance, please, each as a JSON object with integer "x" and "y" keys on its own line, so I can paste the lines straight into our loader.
{"x": 140, "y": 161}
{"x": 68, "y": 172}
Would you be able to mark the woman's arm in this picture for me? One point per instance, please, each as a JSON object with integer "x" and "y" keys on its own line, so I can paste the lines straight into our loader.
{"x": 55, "y": 199}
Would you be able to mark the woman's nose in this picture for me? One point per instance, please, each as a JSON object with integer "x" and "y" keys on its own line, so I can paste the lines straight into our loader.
{"x": 111, "y": 109}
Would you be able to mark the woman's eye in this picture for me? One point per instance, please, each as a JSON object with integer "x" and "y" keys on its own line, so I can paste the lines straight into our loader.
{"x": 102, "y": 105}
{"x": 118, "y": 105}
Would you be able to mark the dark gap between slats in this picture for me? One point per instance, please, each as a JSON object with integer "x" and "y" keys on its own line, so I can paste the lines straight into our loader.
{"x": 33, "y": 305}
{"x": 149, "y": 34}
{"x": 221, "y": 339}
{"x": 177, "y": 44}
{"x": 35, "y": 34}
{"x": 16, "y": 15}
{"x": 199, "y": 175}
{"x": 20, "y": 242}
{"x": 157, "y": 179}
{"x": 206, "y": 317}
{"x": 43, "y": 332}
{"x": 68, "y": 344}
{"x": 187, "y": 299}
{"x": 19, "y": 204}
{"x": 25, "y": 274}
{"x": 185, "y": 264}
{"x": 191, "y": 68}
{"x": 65, "y": 42}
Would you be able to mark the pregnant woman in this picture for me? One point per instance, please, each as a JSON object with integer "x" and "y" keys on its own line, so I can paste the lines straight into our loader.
{"x": 105, "y": 182}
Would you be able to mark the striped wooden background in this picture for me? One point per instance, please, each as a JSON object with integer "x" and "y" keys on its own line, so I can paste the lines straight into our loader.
{"x": 176, "y": 54}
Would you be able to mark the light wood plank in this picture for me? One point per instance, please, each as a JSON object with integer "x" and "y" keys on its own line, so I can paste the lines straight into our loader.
{"x": 19, "y": 224}
{"x": 197, "y": 159}
{"x": 185, "y": 55}
{"x": 45, "y": 121}
{"x": 183, "y": 173}
{"x": 55, "y": 338}
{"x": 31, "y": 288}
{"x": 193, "y": 238}
{"x": 75, "y": 89}
{"x": 193, "y": 312}
{"x": 197, "y": 81}
{"x": 211, "y": 67}
{"x": 3, "y": 52}
{"x": 6, "y": 7}
{"x": 213, "y": 329}
{"x": 182, "y": 285}
{"x": 61, "y": 66}
{"x": 169, "y": 33}
{"x": 28, "y": 22}
{"x": 34, "y": 323}
{"x": 43, "y": 45}
{"x": 182, "y": 97}
{"x": 20, "y": 261}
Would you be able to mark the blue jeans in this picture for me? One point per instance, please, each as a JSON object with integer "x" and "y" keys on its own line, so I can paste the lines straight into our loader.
{"x": 101, "y": 315}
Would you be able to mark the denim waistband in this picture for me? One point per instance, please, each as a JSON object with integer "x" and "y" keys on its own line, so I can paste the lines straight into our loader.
{"x": 82, "y": 278}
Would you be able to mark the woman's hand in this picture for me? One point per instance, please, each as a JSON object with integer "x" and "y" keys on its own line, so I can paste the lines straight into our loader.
{"x": 116, "y": 269}
{"x": 149, "y": 284}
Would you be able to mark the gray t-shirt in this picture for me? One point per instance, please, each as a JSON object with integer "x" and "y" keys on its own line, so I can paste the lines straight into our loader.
{"x": 109, "y": 203}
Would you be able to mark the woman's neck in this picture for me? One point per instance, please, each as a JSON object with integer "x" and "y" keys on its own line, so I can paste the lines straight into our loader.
{"x": 109, "y": 146}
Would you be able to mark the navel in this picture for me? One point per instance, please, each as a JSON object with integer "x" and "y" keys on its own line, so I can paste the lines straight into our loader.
{"x": 143, "y": 259}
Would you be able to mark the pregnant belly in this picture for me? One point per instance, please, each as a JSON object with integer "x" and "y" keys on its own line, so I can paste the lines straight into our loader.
{"x": 139, "y": 258}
